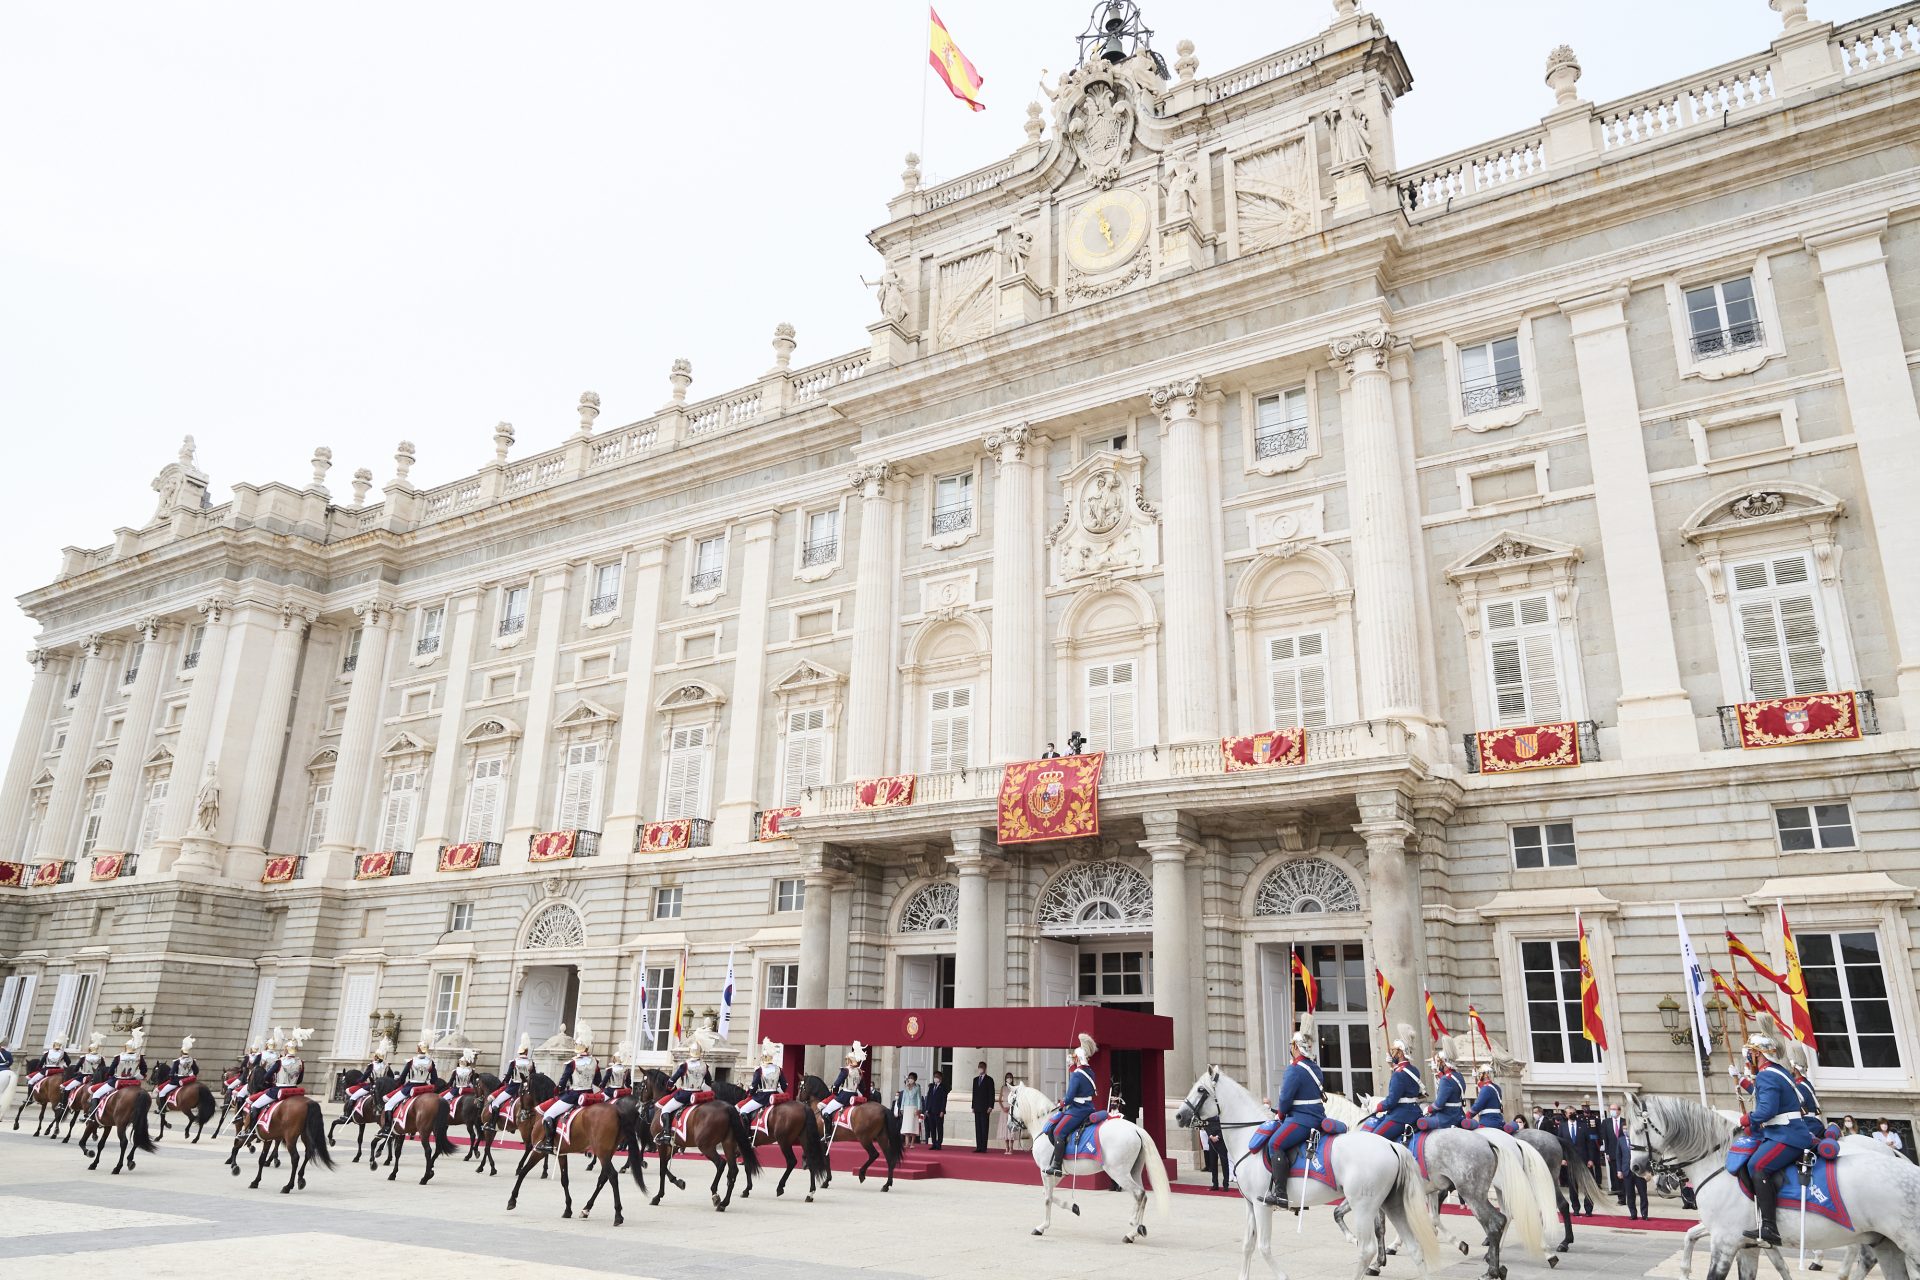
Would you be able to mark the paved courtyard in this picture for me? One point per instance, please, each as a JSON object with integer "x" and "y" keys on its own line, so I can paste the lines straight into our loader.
{"x": 181, "y": 1214}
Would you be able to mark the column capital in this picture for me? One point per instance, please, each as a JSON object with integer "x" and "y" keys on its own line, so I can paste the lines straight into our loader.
{"x": 148, "y": 628}
{"x": 214, "y": 608}
{"x": 1166, "y": 826}
{"x": 91, "y": 645}
{"x": 974, "y": 851}
{"x": 1008, "y": 444}
{"x": 1385, "y": 837}
{"x": 1365, "y": 351}
{"x": 297, "y": 617}
{"x": 1848, "y": 248}
{"x": 375, "y": 611}
{"x": 871, "y": 480}
{"x": 41, "y": 660}
{"x": 824, "y": 864}
{"x": 1178, "y": 399}
{"x": 758, "y": 526}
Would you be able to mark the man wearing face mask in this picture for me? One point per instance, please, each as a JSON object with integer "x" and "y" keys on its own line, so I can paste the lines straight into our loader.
{"x": 1633, "y": 1187}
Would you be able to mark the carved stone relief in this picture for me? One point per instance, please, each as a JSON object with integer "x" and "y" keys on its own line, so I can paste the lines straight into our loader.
{"x": 965, "y": 309}
{"x": 1273, "y": 196}
{"x": 1109, "y": 527}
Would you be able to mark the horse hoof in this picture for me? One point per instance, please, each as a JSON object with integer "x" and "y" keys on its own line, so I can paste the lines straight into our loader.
{"x": 234, "y": 1171}
{"x": 618, "y": 1219}
{"x": 567, "y": 1214}
{"x": 1552, "y": 1261}
{"x": 286, "y": 1191}
{"x": 1562, "y": 1249}
{"x": 1036, "y": 1231}
{"x": 1126, "y": 1239}
{"x": 809, "y": 1199}
{"x": 1141, "y": 1229}
{"x": 1463, "y": 1248}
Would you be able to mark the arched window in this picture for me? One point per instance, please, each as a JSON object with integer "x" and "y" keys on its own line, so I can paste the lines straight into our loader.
{"x": 934, "y": 909}
{"x": 557, "y": 925}
{"x": 1306, "y": 886}
{"x": 1097, "y": 897}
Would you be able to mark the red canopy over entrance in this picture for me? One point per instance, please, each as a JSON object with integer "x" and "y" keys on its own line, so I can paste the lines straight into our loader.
{"x": 1056, "y": 1029}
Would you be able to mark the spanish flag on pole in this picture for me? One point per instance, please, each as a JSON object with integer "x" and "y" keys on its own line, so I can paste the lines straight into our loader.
{"x": 1478, "y": 1026}
{"x": 1435, "y": 1027}
{"x": 679, "y": 1002}
{"x": 945, "y": 55}
{"x": 1305, "y": 975}
{"x": 1796, "y": 985}
{"x": 1590, "y": 1025}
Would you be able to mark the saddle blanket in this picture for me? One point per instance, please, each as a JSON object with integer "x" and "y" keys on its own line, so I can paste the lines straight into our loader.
{"x": 1819, "y": 1196}
{"x": 1417, "y": 1142}
{"x": 1085, "y": 1145}
{"x": 266, "y": 1116}
{"x": 507, "y": 1107}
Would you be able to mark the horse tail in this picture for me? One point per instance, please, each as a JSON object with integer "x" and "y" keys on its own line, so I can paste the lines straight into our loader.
{"x": 1580, "y": 1181}
{"x": 1156, "y": 1173}
{"x": 202, "y": 1105}
{"x": 743, "y": 1138}
{"x": 442, "y": 1144}
{"x": 1407, "y": 1204}
{"x": 316, "y": 1135}
{"x": 142, "y": 1137}
{"x": 896, "y": 1141}
{"x": 1519, "y": 1197}
{"x": 636, "y": 1145}
{"x": 814, "y": 1144}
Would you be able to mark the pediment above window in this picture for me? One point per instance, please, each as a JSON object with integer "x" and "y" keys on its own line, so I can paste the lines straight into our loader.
{"x": 162, "y": 756}
{"x": 808, "y": 678}
{"x": 1511, "y": 552}
{"x": 324, "y": 759}
{"x": 403, "y": 745}
{"x": 691, "y": 693}
{"x": 585, "y": 714}
{"x": 492, "y": 729}
{"x": 1762, "y": 513}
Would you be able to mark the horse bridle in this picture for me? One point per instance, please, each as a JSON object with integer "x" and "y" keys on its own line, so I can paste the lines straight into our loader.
{"x": 1674, "y": 1168}
{"x": 1206, "y": 1096}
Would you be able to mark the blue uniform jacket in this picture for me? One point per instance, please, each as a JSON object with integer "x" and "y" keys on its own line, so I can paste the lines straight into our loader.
{"x": 1081, "y": 1091}
{"x": 1488, "y": 1106}
{"x": 1447, "y": 1106}
{"x": 1774, "y": 1096}
{"x": 1404, "y": 1087}
{"x": 6, "y": 1060}
{"x": 846, "y": 1084}
{"x": 1809, "y": 1110}
{"x": 1301, "y": 1097}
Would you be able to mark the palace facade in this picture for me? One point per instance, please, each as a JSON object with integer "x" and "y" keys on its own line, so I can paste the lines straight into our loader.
{"x": 1554, "y": 494}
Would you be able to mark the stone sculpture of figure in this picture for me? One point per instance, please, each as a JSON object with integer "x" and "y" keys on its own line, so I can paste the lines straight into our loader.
{"x": 1102, "y": 503}
{"x": 206, "y": 802}
{"x": 1016, "y": 247}
{"x": 1182, "y": 187}
{"x": 892, "y": 296}
{"x": 1348, "y": 125}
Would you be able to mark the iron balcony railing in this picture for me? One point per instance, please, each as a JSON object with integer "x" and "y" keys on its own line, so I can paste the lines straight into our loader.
{"x": 1730, "y": 719}
{"x": 402, "y": 861}
{"x": 426, "y": 645}
{"x": 133, "y": 673}
{"x": 1281, "y": 438}
{"x": 489, "y": 853}
{"x": 513, "y": 624}
{"x": 699, "y": 834}
{"x": 706, "y": 580}
{"x": 129, "y": 868}
{"x": 66, "y": 873}
{"x": 603, "y": 604}
{"x": 73, "y": 690}
{"x": 1721, "y": 342}
{"x": 299, "y": 867}
{"x": 820, "y": 551}
{"x": 953, "y": 517}
{"x": 191, "y": 661}
{"x": 1589, "y": 745}
{"x": 586, "y": 844}
{"x": 350, "y": 664}
{"x": 1493, "y": 393}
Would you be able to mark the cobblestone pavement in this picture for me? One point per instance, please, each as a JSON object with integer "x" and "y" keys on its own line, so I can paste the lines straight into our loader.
{"x": 181, "y": 1214}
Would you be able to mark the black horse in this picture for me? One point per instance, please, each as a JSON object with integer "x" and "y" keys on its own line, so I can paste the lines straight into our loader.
{"x": 194, "y": 1100}
{"x": 368, "y": 1111}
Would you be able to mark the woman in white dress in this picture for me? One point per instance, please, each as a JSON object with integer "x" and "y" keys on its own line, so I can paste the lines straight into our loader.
{"x": 1008, "y": 1125}
{"x": 910, "y": 1098}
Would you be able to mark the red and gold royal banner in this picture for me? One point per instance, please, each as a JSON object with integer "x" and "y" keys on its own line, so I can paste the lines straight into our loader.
{"x": 48, "y": 874}
{"x": 373, "y": 866}
{"x": 668, "y": 836}
{"x": 884, "y": 793}
{"x": 1055, "y": 799}
{"x": 107, "y": 866}
{"x": 459, "y": 857}
{"x": 773, "y": 823}
{"x": 1534, "y": 746}
{"x": 1264, "y": 750}
{"x": 13, "y": 875}
{"x": 1815, "y": 717}
{"x": 551, "y": 846}
{"x": 279, "y": 870}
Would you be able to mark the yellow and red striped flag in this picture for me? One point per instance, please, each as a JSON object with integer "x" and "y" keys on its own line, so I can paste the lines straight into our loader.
{"x": 1305, "y": 975}
{"x": 962, "y": 80}
{"x": 1745, "y": 952}
{"x": 1796, "y": 986}
{"x": 1756, "y": 1004}
{"x": 679, "y": 1000}
{"x": 1435, "y": 1027}
{"x": 1591, "y": 1027}
{"x": 1725, "y": 988}
{"x": 1478, "y": 1025}
{"x": 1386, "y": 997}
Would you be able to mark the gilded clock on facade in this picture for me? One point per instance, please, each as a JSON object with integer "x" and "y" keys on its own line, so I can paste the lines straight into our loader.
{"x": 1107, "y": 231}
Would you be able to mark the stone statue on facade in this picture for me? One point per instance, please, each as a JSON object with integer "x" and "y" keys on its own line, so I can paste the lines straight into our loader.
{"x": 1016, "y": 248}
{"x": 206, "y": 801}
{"x": 1182, "y": 186}
{"x": 180, "y": 483}
{"x": 1347, "y": 124}
{"x": 891, "y": 295}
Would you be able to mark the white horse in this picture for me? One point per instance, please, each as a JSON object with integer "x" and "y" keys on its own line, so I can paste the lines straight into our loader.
{"x": 1128, "y": 1155}
{"x": 1373, "y": 1175}
{"x": 1678, "y": 1136}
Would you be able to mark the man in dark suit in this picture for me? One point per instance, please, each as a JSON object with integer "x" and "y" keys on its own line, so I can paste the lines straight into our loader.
{"x": 1584, "y": 1131}
{"x": 1633, "y": 1187}
{"x": 933, "y": 1113}
{"x": 984, "y": 1094}
{"x": 1613, "y": 1136}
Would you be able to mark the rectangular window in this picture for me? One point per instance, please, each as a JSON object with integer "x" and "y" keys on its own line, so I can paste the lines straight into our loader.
{"x": 486, "y": 800}
{"x": 356, "y": 1010}
{"x": 403, "y": 796}
{"x": 1848, "y": 996}
{"x": 446, "y": 1004}
{"x": 789, "y": 894}
{"x": 653, "y": 1034}
{"x": 1280, "y": 424}
{"x": 1807, "y": 828}
{"x": 1550, "y": 971}
{"x": 259, "y": 1022}
{"x": 686, "y": 790}
{"x": 783, "y": 987}
{"x": 953, "y": 503}
{"x": 1110, "y": 706}
{"x": 806, "y": 757}
{"x": 1523, "y": 656}
{"x": 10, "y": 1007}
{"x": 94, "y": 812}
{"x": 459, "y": 917}
{"x": 1490, "y": 375}
{"x": 1722, "y": 318}
{"x": 1779, "y": 626}
{"x": 666, "y": 903}
{"x": 1113, "y": 975}
{"x": 133, "y": 662}
{"x": 1543, "y": 844}
{"x": 433, "y": 623}
{"x": 513, "y": 610}
{"x": 350, "y": 660}
{"x": 190, "y": 657}
{"x": 950, "y": 729}
{"x": 606, "y": 589}
{"x": 580, "y": 788}
{"x": 317, "y": 806}
{"x": 822, "y": 544}
{"x": 709, "y": 564}
{"x": 1297, "y": 680}
{"x": 151, "y": 813}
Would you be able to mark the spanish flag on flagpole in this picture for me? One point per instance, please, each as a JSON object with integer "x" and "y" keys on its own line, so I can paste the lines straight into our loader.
{"x": 1386, "y": 997}
{"x": 1796, "y": 985}
{"x": 962, "y": 80}
{"x": 1305, "y": 975}
{"x": 1590, "y": 1025}
{"x": 679, "y": 1002}
{"x": 1435, "y": 1027}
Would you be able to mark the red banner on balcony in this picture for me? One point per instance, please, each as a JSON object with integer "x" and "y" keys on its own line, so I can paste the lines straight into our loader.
{"x": 373, "y": 866}
{"x": 1815, "y": 717}
{"x": 883, "y": 793}
{"x": 551, "y": 846}
{"x": 669, "y": 836}
{"x": 459, "y": 857}
{"x": 1264, "y": 750}
{"x": 773, "y": 823}
{"x": 1534, "y": 746}
{"x": 49, "y": 873}
{"x": 1056, "y": 799}
{"x": 107, "y": 866}
{"x": 279, "y": 870}
{"x": 13, "y": 875}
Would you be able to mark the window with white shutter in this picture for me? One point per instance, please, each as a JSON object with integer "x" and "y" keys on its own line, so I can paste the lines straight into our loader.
{"x": 356, "y": 1004}
{"x": 1297, "y": 680}
{"x": 9, "y": 1006}
{"x": 66, "y": 994}
{"x": 686, "y": 790}
{"x": 150, "y": 816}
{"x": 403, "y": 795}
{"x": 580, "y": 789}
{"x": 16, "y": 1030}
{"x": 950, "y": 729}
{"x": 317, "y": 807}
{"x": 1781, "y": 643}
{"x": 258, "y": 1022}
{"x": 95, "y": 811}
{"x": 1523, "y": 657}
{"x": 806, "y": 759}
{"x": 485, "y": 799}
{"x": 1110, "y": 706}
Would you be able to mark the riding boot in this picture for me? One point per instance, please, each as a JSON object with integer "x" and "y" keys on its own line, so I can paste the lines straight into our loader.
{"x": 1766, "y": 1196}
{"x": 1277, "y": 1190}
{"x": 549, "y": 1137}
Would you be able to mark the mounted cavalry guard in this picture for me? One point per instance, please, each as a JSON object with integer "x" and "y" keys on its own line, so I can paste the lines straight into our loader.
{"x": 617, "y": 1080}
{"x": 460, "y": 1081}
{"x": 266, "y": 1070}
{"x": 54, "y": 1061}
{"x": 181, "y": 1072}
{"x": 846, "y": 1085}
{"x": 92, "y": 1070}
{"x": 767, "y": 1086}
{"x": 1078, "y": 1105}
{"x": 419, "y": 1075}
{"x": 1396, "y": 1114}
{"x": 1799, "y": 1059}
{"x": 1489, "y": 1107}
{"x": 577, "y": 1077}
{"x": 376, "y": 1071}
{"x": 693, "y": 1078}
{"x": 126, "y": 1070}
{"x": 1300, "y": 1104}
{"x": 1775, "y": 1118}
{"x": 1449, "y": 1093}
{"x": 289, "y": 1072}
{"x": 513, "y": 1076}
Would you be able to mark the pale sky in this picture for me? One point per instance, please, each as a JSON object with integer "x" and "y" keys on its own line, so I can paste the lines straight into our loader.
{"x": 378, "y": 222}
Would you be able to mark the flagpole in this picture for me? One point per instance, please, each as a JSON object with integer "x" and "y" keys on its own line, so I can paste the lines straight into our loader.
{"x": 1696, "y": 1015}
{"x": 925, "y": 36}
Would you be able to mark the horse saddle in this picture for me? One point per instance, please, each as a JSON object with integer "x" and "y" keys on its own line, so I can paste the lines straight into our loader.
{"x": 679, "y": 1122}
{"x": 1085, "y": 1145}
{"x": 1809, "y": 1184}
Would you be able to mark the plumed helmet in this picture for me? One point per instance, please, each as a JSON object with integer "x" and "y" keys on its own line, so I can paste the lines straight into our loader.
{"x": 423, "y": 1045}
{"x": 278, "y": 1037}
{"x": 297, "y": 1037}
{"x": 59, "y": 1042}
{"x": 186, "y": 1046}
{"x": 93, "y": 1042}
{"x": 623, "y": 1052}
{"x": 1442, "y": 1056}
{"x": 137, "y": 1041}
{"x": 582, "y": 1037}
{"x": 525, "y": 1045}
{"x": 1485, "y": 1072}
{"x": 1083, "y": 1052}
{"x": 1304, "y": 1039}
{"x": 1763, "y": 1042}
{"x": 769, "y": 1051}
{"x": 253, "y": 1045}
{"x": 695, "y": 1050}
{"x": 1404, "y": 1041}
{"x": 382, "y": 1047}
{"x": 467, "y": 1056}
{"x": 856, "y": 1054}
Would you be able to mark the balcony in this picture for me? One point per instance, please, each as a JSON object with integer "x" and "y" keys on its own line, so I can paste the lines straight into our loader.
{"x": 599, "y": 606}
{"x": 1841, "y": 716}
{"x": 705, "y": 580}
{"x": 820, "y": 551}
{"x": 468, "y": 856}
{"x": 1489, "y": 394}
{"x": 558, "y": 846}
{"x": 513, "y": 624}
{"x": 73, "y": 690}
{"x": 349, "y": 664}
{"x": 665, "y": 835}
{"x": 1515, "y": 749}
{"x": 133, "y": 673}
{"x": 191, "y": 661}
{"x": 383, "y": 865}
{"x": 1281, "y": 438}
{"x": 426, "y": 645}
{"x": 284, "y": 869}
{"x": 953, "y": 517}
{"x": 1724, "y": 342}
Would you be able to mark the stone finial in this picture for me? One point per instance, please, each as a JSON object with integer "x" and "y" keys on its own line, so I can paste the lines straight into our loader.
{"x": 1344, "y": 9}
{"x": 322, "y": 463}
{"x": 1186, "y": 66}
{"x": 362, "y": 481}
{"x": 1563, "y": 76}
{"x": 1793, "y": 13}
{"x": 910, "y": 176}
{"x": 1035, "y": 126}
{"x": 681, "y": 378}
{"x": 589, "y": 410}
{"x": 186, "y": 452}
{"x": 502, "y": 440}
{"x": 403, "y": 462}
{"x": 782, "y": 345}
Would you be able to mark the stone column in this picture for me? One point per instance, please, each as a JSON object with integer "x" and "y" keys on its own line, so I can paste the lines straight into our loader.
{"x": 974, "y": 857}
{"x": 14, "y": 792}
{"x": 442, "y": 821}
{"x": 1393, "y": 892}
{"x": 529, "y": 788}
{"x": 129, "y": 760}
{"x": 1886, "y": 423}
{"x": 1195, "y": 611}
{"x": 745, "y": 718}
{"x": 69, "y": 776}
{"x": 196, "y": 728}
{"x": 1655, "y": 715}
{"x": 1385, "y": 613}
{"x": 871, "y": 716}
{"x": 269, "y": 739}
{"x": 358, "y": 742}
{"x": 1171, "y": 842}
{"x": 648, "y": 564}
{"x": 817, "y": 943}
{"x": 1014, "y": 718}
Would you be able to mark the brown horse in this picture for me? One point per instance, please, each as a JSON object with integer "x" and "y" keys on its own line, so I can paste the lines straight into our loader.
{"x": 470, "y": 1113}
{"x": 119, "y": 1111}
{"x": 292, "y": 1122}
{"x": 48, "y": 1093}
{"x": 715, "y": 1128}
{"x": 423, "y": 1116}
{"x": 789, "y": 1124}
{"x": 596, "y": 1131}
{"x": 872, "y": 1125}
{"x": 233, "y": 1097}
{"x": 194, "y": 1101}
